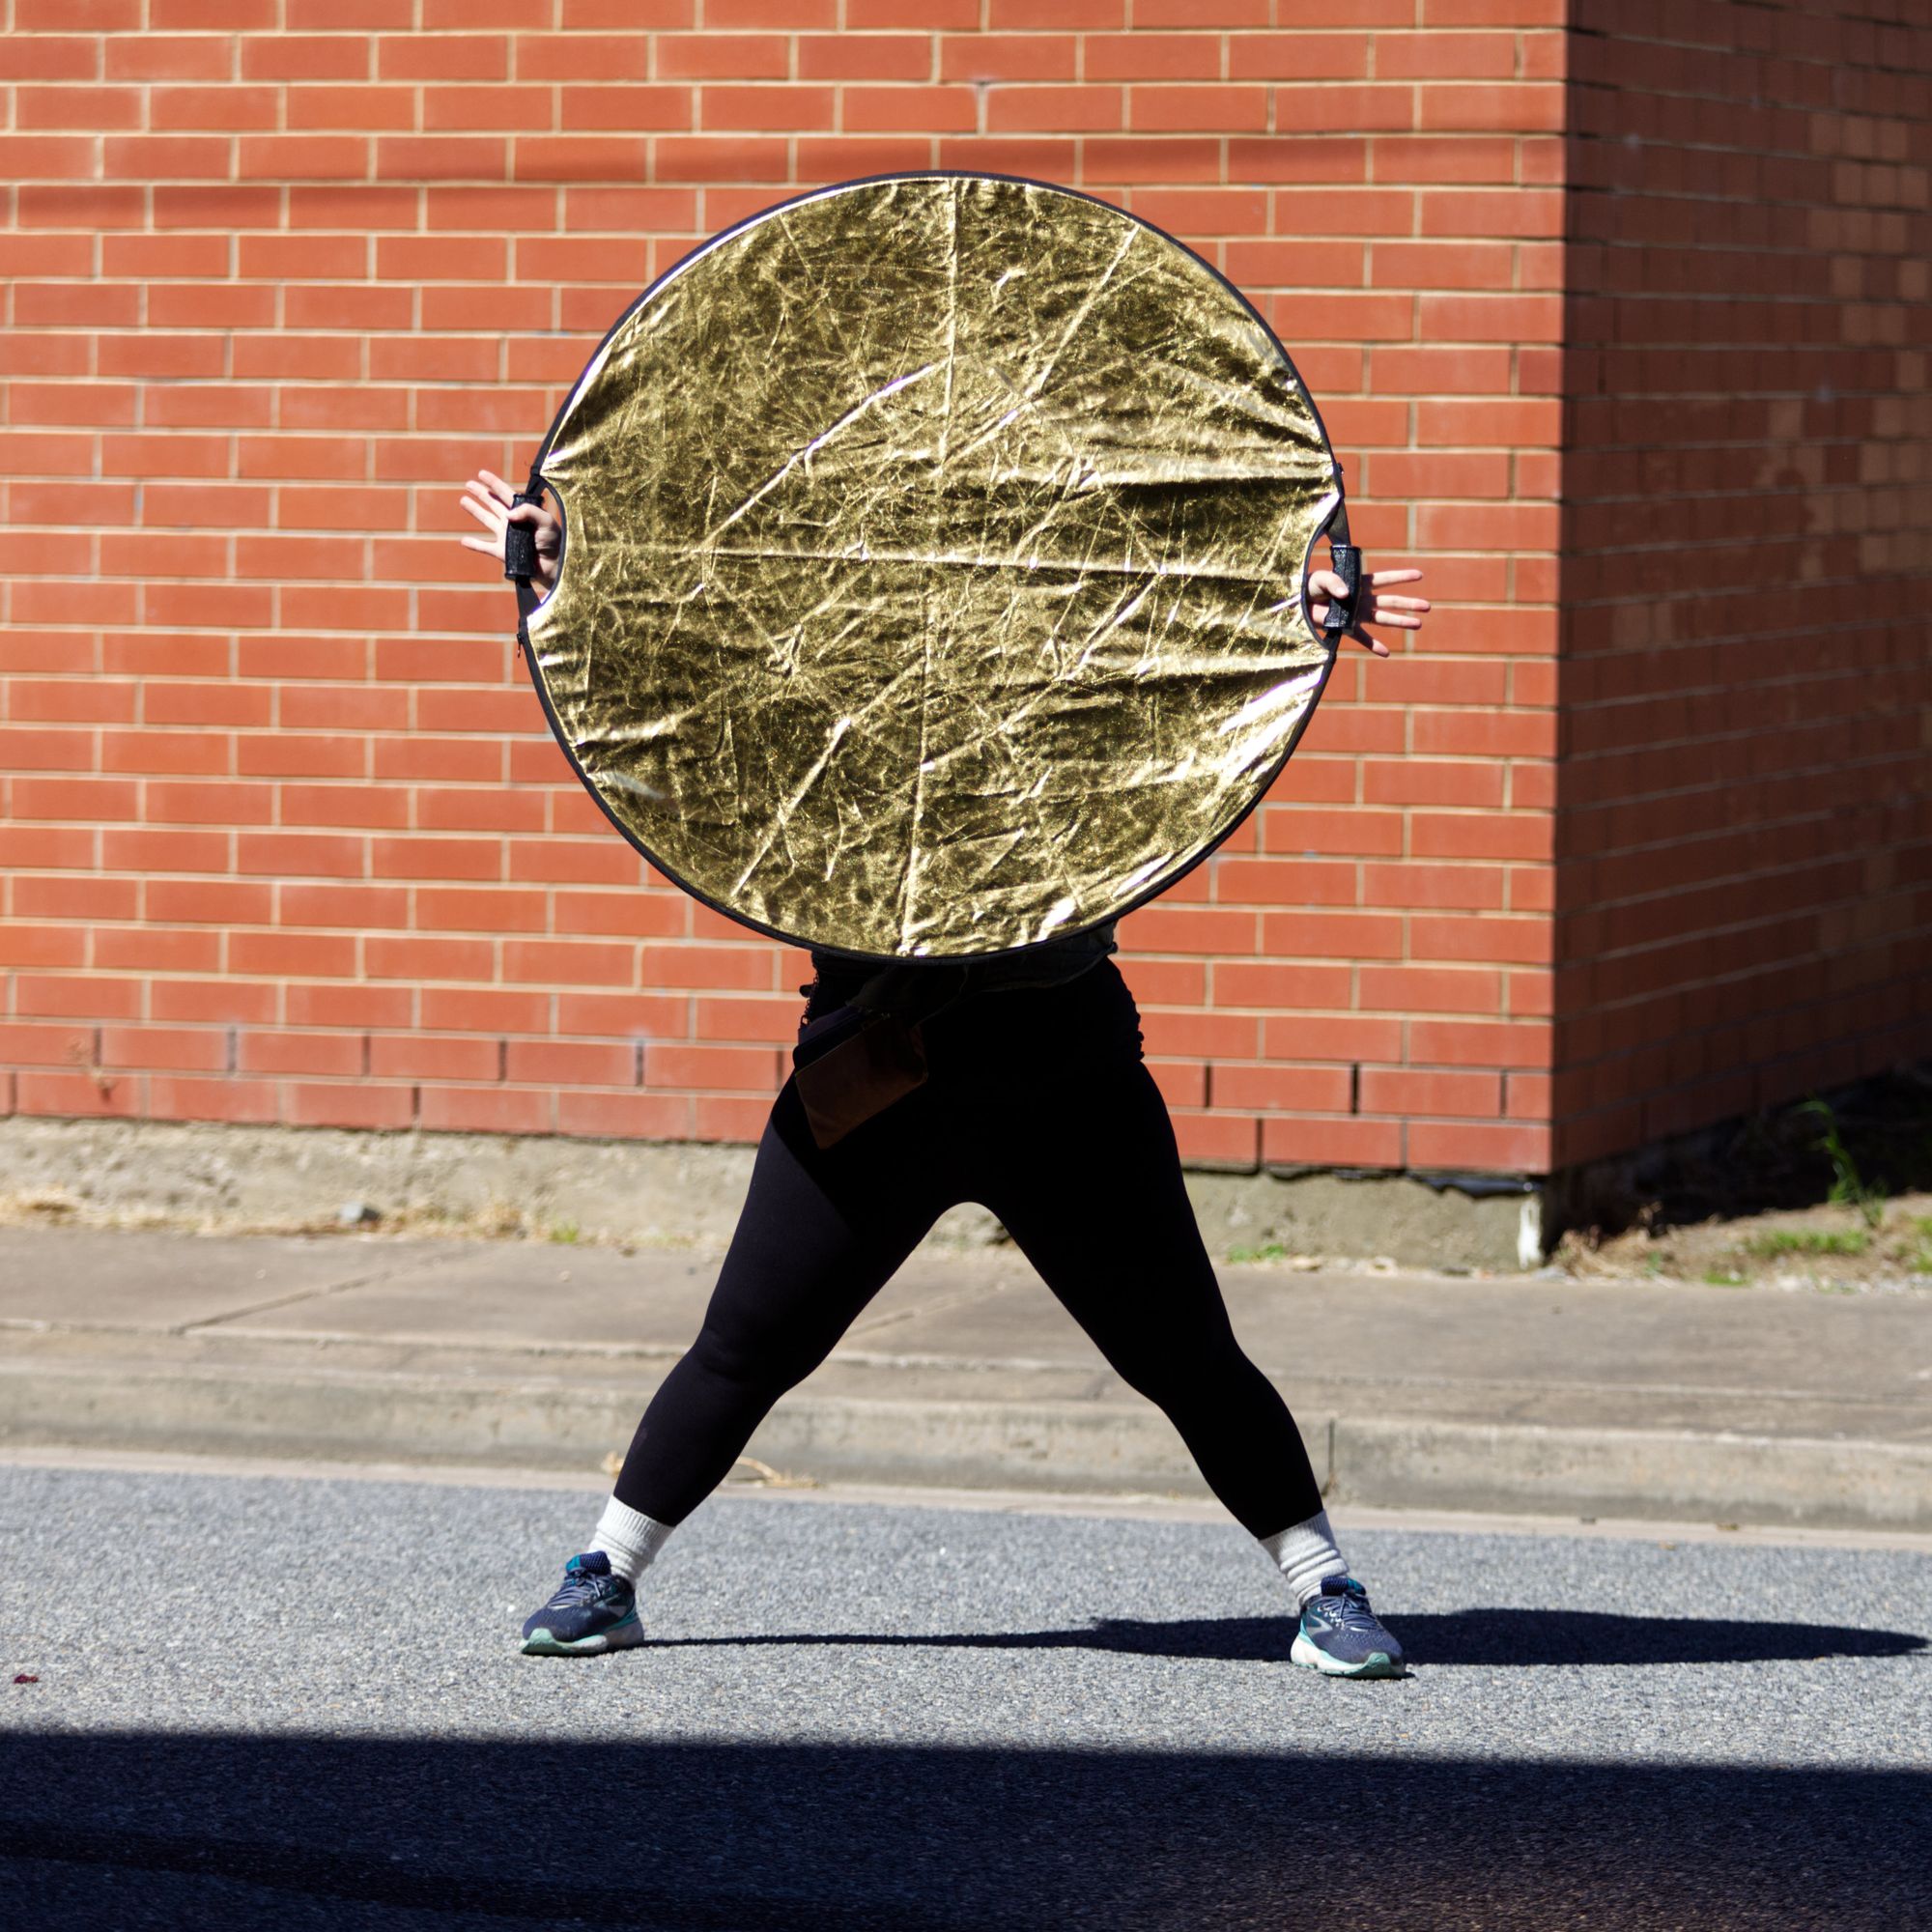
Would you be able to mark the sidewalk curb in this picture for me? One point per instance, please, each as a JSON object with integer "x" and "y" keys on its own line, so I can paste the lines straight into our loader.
{"x": 1097, "y": 1447}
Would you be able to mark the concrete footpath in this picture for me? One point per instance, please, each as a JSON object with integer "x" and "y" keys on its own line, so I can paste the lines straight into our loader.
{"x": 1538, "y": 1394}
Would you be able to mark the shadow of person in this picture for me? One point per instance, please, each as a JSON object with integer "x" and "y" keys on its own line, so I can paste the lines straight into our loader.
{"x": 1514, "y": 1636}
{"x": 1473, "y": 1636}
{"x": 1218, "y": 1639}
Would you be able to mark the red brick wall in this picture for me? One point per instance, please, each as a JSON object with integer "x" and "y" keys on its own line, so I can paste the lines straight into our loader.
{"x": 1745, "y": 889}
{"x": 283, "y": 835}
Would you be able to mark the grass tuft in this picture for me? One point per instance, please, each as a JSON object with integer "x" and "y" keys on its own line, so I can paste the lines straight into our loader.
{"x": 1809, "y": 1242}
{"x": 1919, "y": 1260}
{"x": 1849, "y": 1189}
{"x": 1269, "y": 1251}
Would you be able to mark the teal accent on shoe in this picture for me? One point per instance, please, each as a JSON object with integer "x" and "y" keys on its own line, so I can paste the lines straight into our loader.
{"x": 591, "y": 1611}
{"x": 624, "y": 1634}
{"x": 1377, "y": 1664}
{"x": 1342, "y": 1636}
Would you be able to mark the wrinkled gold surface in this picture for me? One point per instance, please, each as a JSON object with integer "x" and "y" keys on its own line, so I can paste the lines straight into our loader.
{"x": 932, "y": 571}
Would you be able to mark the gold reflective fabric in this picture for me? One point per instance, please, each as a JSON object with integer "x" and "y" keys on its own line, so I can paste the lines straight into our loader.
{"x": 933, "y": 562}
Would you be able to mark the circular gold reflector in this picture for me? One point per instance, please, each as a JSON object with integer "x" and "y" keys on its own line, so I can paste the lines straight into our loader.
{"x": 932, "y": 576}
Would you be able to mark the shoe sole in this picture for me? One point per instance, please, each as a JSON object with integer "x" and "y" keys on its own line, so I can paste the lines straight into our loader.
{"x": 1376, "y": 1663}
{"x": 624, "y": 1635}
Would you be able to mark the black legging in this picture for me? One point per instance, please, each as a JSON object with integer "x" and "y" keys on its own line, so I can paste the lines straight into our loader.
{"x": 1038, "y": 1107}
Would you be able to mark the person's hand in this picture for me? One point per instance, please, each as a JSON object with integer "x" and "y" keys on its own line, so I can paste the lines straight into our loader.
{"x": 488, "y": 499}
{"x": 1371, "y": 607}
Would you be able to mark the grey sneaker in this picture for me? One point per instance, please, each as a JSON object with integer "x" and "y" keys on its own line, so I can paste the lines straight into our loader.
{"x": 1340, "y": 1637}
{"x": 591, "y": 1611}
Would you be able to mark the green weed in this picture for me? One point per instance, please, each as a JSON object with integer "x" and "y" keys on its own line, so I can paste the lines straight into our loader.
{"x": 1848, "y": 1187}
{"x": 1809, "y": 1242}
{"x": 1919, "y": 1261}
{"x": 564, "y": 1233}
{"x": 1269, "y": 1251}
{"x": 1719, "y": 1278}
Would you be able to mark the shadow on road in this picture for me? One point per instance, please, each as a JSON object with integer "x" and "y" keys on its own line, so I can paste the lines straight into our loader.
{"x": 202, "y": 1829}
{"x": 1480, "y": 1636}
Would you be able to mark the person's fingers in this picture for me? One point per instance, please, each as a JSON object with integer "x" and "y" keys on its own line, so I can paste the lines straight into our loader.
{"x": 1400, "y": 613}
{"x": 1354, "y": 631}
{"x": 1331, "y": 585}
{"x": 493, "y": 520}
{"x": 495, "y": 485}
{"x": 490, "y": 518}
{"x": 541, "y": 520}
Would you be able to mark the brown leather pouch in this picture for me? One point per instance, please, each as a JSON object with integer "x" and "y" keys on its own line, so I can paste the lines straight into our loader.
{"x": 852, "y": 1071}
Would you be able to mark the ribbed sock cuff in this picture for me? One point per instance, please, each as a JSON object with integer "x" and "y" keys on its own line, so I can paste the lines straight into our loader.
{"x": 629, "y": 1537}
{"x": 1305, "y": 1554}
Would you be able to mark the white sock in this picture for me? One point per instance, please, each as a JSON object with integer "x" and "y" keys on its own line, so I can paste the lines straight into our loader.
{"x": 1305, "y": 1554}
{"x": 629, "y": 1539}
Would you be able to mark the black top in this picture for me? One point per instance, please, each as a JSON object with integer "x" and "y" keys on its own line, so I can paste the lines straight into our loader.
{"x": 914, "y": 986}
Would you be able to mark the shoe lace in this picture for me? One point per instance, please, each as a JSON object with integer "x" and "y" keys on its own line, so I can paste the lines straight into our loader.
{"x": 580, "y": 1586}
{"x": 1350, "y": 1612}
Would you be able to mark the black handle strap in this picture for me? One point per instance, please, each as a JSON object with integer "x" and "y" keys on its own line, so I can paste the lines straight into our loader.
{"x": 1346, "y": 559}
{"x": 520, "y": 542}
{"x": 520, "y": 557}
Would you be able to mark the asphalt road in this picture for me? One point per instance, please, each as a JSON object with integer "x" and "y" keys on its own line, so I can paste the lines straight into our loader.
{"x": 264, "y": 1701}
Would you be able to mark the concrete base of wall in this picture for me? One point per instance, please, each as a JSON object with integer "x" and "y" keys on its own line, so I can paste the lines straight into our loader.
{"x": 150, "y": 1173}
{"x": 1475, "y": 1224}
